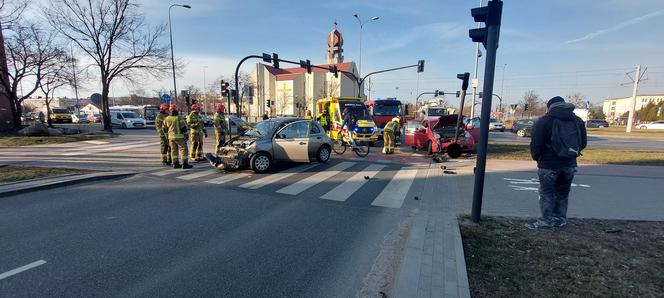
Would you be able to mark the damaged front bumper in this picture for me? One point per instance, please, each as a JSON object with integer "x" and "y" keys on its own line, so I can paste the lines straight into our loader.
{"x": 231, "y": 157}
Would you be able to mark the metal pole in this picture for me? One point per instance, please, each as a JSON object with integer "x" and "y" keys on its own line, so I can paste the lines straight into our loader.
{"x": 78, "y": 102}
{"x": 170, "y": 33}
{"x": 493, "y": 28}
{"x": 632, "y": 106}
{"x": 477, "y": 61}
{"x": 502, "y": 89}
{"x": 204, "y": 92}
{"x": 361, "y": 29}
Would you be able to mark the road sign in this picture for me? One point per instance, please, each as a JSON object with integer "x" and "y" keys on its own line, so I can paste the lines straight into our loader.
{"x": 166, "y": 98}
{"x": 475, "y": 83}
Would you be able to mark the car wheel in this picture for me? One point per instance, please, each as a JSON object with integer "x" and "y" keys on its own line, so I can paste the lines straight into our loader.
{"x": 260, "y": 162}
{"x": 323, "y": 154}
{"x": 643, "y": 127}
{"x": 124, "y": 125}
{"x": 521, "y": 133}
{"x": 429, "y": 148}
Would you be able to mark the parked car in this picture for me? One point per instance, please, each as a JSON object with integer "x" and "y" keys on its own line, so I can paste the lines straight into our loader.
{"x": 207, "y": 120}
{"x": 436, "y": 134}
{"x": 273, "y": 141}
{"x": 523, "y": 127}
{"x": 597, "y": 123}
{"x": 652, "y": 125}
{"x": 473, "y": 127}
{"x": 60, "y": 115}
{"x": 496, "y": 125}
{"x": 96, "y": 118}
{"x": 127, "y": 119}
{"x": 80, "y": 118}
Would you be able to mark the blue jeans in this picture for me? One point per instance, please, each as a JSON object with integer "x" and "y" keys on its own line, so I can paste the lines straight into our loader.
{"x": 554, "y": 192}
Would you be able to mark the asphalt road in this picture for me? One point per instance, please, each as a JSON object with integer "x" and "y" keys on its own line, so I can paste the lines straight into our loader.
{"x": 593, "y": 141}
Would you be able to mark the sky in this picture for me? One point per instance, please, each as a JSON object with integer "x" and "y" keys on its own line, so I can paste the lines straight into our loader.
{"x": 554, "y": 47}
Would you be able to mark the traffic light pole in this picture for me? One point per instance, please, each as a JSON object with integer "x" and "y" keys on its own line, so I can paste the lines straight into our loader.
{"x": 493, "y": 15}
{"x": 464, "y": 86}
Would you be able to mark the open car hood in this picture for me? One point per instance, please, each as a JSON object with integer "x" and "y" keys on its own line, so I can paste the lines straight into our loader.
{"x": 446, "y": 121}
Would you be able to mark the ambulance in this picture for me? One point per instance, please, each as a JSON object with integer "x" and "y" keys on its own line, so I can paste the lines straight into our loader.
{"x": 365, "y": 130}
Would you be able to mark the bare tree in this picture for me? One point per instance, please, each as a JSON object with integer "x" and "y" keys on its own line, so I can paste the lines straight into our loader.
{"x": 30, "y": 52}
{"x": 534, "y": 102}
{"x": 114, "y": 34}
{"x": 577, "y": 99}
{"x": 57, "y": 74}
{"x": 12, "y": 11}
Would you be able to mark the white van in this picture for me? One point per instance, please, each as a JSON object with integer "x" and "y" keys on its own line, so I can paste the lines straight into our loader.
{"x": 127, "y": 119}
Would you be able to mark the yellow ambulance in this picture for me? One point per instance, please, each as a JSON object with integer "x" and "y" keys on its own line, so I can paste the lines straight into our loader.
{"x": 365, "y": 130}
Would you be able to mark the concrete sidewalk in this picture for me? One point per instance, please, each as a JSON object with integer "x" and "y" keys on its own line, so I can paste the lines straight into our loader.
{"x": 14, "y": 188}
{"x": 433, "y": 264}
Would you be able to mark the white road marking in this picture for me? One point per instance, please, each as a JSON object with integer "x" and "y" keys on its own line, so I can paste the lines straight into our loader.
{"x": 199, "y": 174}
{"x": 382, "y": 161}
{"x": 21, "y": 269}
{"x": 106, "y": 149}
{"x": 228, "y": 178}
{"x": 93, "y": 142}
{"x": 258, "y": 183}
{"x": 314, "y": 179}
{"x": 344, "y": 190}
{"x": 395, "y": 192}
{"x": 167, "y": 172}
{"x": 514, "y": 184}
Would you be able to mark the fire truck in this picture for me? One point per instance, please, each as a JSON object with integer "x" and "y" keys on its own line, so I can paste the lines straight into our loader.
{"x": 383, "y": 110}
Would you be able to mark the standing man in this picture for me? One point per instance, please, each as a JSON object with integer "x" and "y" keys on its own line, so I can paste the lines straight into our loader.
{"x": 557, "y": 140}
{"x": 163, "y": 137}
{"x": 324, "y": 120}
{"x": 195, "y": 123}
{"x": 265, "y": 116}
{"x": 389, "y": 135}
{"x": 176, "y": 127}
{"x": 220, "y": 128}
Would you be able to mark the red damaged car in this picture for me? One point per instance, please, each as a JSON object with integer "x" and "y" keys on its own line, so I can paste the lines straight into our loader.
{"x": 436, "y": 134}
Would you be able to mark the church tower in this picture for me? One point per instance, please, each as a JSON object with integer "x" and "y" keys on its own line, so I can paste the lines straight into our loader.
{"x": 334, "y": 46}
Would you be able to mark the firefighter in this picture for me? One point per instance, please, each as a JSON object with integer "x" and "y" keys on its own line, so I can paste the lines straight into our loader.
{"x": 391, "y": 128}
{"x": 163, "y": 137}
{"x": 324, "y": 120}
{"x": 196, "y": 130}
{"x": 220, "y": 129}
{"x": 176, "y": 127}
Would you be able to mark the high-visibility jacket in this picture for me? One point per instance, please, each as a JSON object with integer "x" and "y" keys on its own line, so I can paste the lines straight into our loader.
{"x": 219, "y": 123}
{"x": 175, "y": 126}
{"x": 323, "y": 119}
{"x": 159, "y": 124}
{"x": 195, "y": 123}
{"x": 392, "y": 126}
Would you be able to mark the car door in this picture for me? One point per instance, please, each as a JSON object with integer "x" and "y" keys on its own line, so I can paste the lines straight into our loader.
{"x": 420, "y": 134}
{"x": 316, "y": 133}
{"x": 658, "y": 125}
{"x": 411, "y": 127}
{"x": 291, "y": 142}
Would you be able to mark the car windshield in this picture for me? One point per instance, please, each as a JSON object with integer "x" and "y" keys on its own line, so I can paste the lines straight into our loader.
{"x": 437, "y": 112}
{"x": 356, "y": 108}
{"x": 130, "y": 115}
{"x": 151, "y": 112}
{"x": 59, "y": 111}
{"x": 263, "y": 128}
{"x": 494, "y": 120}
{"x": 387, "y": 109}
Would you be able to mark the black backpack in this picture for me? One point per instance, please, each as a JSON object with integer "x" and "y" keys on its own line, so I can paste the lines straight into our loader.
{"x": 565, "y": 139}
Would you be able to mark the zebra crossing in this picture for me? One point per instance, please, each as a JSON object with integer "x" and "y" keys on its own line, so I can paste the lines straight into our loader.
{"x": 338, "y": 181}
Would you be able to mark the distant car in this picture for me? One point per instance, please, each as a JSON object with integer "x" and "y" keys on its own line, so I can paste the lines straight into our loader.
{"x": 496, "y": 125}
{"x": 96, "y": 118}
{"x": 652, "y": 125}
{"x": 437, "y": 133}
{"x": 60, "y": 115}
{"x": 275, "y": 140}
{"x": 597, "y": 123}
{"x": 80, "y": 118}
{"x": 523, "y": 127}
{"x": 207, "y": 120}
{"x": 127, "y": 119}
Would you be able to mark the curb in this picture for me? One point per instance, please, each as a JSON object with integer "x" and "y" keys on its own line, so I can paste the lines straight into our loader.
{"x": 55, "y": 182}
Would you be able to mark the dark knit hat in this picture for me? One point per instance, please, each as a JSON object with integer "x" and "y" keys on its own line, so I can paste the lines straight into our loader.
{"x": 554, "y": 100}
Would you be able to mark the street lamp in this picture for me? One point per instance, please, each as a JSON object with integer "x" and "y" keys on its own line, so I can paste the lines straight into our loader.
{"x": 205, "y": 103}
{"x": 170, "y": 32}
{"x": 502, "y": 89}
{"x": 362, "y": 27}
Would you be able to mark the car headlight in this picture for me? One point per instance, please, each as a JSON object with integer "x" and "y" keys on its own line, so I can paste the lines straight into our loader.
{"x": 436, "y": 135}
{"x": 127, "y": 120}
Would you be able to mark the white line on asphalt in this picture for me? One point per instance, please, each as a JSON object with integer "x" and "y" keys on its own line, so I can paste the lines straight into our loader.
{"x": 21, "y": 269}
{"x": 93, "y": 142}
{"x": 258, "y": 183}
{"x": 344, "y": 190}
{"x": 106, "y": 149}
{"x": 199, "y": 174}
{"x": 166, "y": 172}
{"x": 382, "y": 161}
{"x": 312, "y": 180}
{"x": 396, "y": 190}
{"x": 228, "y": 178}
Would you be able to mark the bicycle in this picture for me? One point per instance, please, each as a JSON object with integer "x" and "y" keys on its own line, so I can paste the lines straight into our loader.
{"x": 342, "y": 142}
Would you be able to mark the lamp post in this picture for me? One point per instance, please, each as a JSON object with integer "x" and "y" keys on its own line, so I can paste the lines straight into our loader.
{"x": 170, "y": 33}
{"x": 362, "y": 27}
{"x": 205, "y": 103}
{"x": 502, "y": 89}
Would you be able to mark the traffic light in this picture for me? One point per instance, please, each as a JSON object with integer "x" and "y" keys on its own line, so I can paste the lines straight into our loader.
{"x": 334, "y": 70}
{"x": 480, "y": 94}
{"x": 269, "y": 104}
{"x": 306, "y": 64}
{"x": 224, "y": 88}
{"x": 464, "y": 78}
{"x": 490, "y": 15}
{"x": 186, "y": 98}
{"x": 438, "y": 93}
{"x": 458, "y": 94}
{"x": 420, "y": 66}
{"x": 525, "y": 107}
{"x": 275, "y": 60}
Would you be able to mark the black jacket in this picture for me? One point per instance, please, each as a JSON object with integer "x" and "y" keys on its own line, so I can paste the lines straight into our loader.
{"x": 541, "y": 138}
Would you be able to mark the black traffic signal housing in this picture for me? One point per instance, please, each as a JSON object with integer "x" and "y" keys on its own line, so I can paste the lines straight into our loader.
{"x": 186, "y": 98}
{"x": 464, "y": 78}
{"x": 525, "y": 107}
{"x": 334, "y": 70}
{"x": 458, "y": 94}
{"x": 490, "y": 15}
{"x": 480, "y": 94}
{"x": 420, "y": 66}
{"x": 268, "y": 103}
{"x": 267, "y": 58}
{"x": 306, "y": 64}
{"x": 224, "y": 88}
{"x": 438, "y": 93}
{"x": 275, "y": 60}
